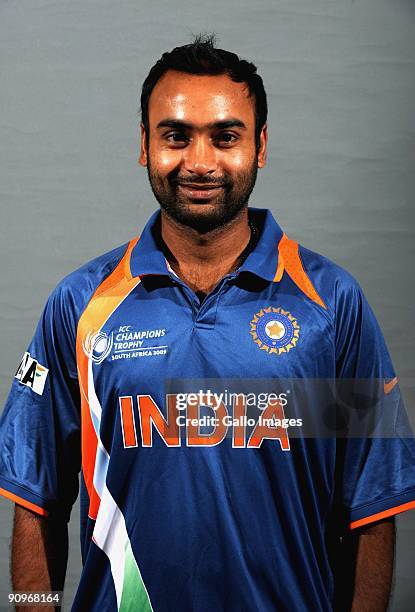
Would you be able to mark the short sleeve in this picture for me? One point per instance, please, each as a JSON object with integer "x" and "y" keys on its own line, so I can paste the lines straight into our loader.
{"x": 40, "y": 453}
{"x": 377, "y": 474}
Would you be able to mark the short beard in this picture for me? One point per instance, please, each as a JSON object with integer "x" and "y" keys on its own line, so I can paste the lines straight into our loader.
{"x": 234, "y": 199}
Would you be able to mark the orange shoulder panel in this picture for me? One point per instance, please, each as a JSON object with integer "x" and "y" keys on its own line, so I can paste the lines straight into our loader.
{"x": 289, "y": 260}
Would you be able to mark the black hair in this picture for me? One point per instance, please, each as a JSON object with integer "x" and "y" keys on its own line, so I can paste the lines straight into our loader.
{"x": 202, "y": 57}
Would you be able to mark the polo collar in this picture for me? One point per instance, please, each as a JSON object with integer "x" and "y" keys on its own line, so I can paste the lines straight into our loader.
{"x": 148, "y": 258}
{"x": 263, "y": 260}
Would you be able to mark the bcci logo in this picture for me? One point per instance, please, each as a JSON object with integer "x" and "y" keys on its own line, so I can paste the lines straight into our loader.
{"x": 97, "y": 346}
{"x": 274, "y": 330}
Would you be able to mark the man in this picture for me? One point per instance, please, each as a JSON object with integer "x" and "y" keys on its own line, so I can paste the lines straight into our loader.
{"x": 177, "y": 515}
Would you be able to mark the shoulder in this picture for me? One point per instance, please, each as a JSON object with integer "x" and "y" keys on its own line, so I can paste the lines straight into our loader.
{"x": 333, "y": 283}
{"x": 74, "y": 291}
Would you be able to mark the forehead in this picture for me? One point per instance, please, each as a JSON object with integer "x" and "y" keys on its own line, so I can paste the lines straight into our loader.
{"x": 200, "y": 99}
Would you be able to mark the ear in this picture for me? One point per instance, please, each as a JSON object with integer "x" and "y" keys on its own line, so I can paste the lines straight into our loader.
{"x": 143, "y": 148}
{"x": 262, "y": 152}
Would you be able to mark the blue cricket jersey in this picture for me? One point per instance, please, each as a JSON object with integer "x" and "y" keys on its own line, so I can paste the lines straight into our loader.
{"x": 180, "y": 515}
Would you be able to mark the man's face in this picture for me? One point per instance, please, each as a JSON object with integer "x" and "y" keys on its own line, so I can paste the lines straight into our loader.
{"x": 201, "y": 156}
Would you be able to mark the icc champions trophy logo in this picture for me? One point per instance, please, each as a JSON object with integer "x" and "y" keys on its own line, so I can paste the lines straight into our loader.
{"x": 97, "y": 346}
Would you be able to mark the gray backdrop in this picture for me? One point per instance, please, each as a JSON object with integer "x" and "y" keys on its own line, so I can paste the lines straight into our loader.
{"x": 341, "y": 172}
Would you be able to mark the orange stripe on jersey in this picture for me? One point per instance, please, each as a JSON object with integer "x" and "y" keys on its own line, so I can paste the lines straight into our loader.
{"x": 288, "y": 250}
{"x": 127, "y": 421}
{"x": 23, "y": 502}
{"x": 280, "y": 269}
{"x": 107, "y": 297}
{"x": 381, "y": 515}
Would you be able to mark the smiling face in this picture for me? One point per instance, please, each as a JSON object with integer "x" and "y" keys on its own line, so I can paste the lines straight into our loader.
{"x": 201, "y": 155}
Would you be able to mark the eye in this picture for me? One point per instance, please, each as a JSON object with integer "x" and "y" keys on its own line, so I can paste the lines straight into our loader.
{"x": 176, "y": 138}
{"x": 226, "y": 139}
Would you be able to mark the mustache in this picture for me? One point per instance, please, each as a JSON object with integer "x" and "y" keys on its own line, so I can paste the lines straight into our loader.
{"x": 200, "y": 180}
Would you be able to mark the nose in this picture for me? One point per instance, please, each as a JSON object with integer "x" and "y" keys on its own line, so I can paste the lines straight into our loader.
{"x": 200, "y": 156}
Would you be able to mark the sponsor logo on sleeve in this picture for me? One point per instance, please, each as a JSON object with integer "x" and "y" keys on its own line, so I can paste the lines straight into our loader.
{"x": 32, "y": 374}
{"x": 388, "y": 386}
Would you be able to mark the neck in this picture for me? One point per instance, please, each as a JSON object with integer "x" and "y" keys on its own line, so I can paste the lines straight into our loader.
{"x": 202, "y": 260}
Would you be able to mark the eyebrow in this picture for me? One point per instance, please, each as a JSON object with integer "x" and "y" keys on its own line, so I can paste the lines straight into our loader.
{"x": 218, "y": 125}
